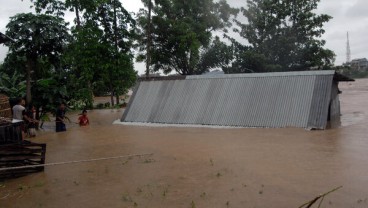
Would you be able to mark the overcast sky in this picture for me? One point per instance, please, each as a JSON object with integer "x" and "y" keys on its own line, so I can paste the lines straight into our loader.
{"x": 348, "y": 15}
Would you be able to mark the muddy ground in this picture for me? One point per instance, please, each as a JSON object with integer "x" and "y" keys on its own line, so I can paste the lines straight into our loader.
{"x": 201, "y": 167}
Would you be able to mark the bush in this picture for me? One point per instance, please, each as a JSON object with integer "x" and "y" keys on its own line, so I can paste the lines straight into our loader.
{"x": 100, "y": 106}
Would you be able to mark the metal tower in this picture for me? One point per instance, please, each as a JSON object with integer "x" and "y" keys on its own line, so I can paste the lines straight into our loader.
{"x": 348, "y": 52}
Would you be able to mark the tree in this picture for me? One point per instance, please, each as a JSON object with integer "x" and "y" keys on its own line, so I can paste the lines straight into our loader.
{"x": 83, "y": 58}
{"x": 58, "y": 7}
{"x": 101, "y": 37}
{"x": 285, "y": 35}
{"x": 14, "y": 63}
{"x": 118, "y": 27}
{"x": 38, "y": 38}
{"x": 180, "y": 30}
{"x": 104, "y": 51}
{"x": 216, "y": 55}
{"x": 50, "y": 92}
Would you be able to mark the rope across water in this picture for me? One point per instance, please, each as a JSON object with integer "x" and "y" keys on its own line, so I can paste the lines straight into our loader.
{"x": 72, "y": 162}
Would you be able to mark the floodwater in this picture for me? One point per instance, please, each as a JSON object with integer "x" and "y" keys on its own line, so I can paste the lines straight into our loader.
{"x": 202, "y": 167}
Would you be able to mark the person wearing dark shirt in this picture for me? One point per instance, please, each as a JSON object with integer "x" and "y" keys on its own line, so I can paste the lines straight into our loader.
{"x": 60, "y": 118}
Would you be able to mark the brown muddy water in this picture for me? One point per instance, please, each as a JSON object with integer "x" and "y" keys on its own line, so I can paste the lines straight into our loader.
{"x": 202, "y": 167}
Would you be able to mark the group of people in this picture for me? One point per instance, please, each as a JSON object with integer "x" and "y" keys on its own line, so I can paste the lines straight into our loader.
{"x": 31, "y": 123}
{"x": 28, "y": 115}
{"x": 60, "y": 118}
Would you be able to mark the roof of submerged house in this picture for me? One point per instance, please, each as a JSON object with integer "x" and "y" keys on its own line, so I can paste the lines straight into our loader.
{"x": 4, "y": 38}
{"x": 282, "y": 99}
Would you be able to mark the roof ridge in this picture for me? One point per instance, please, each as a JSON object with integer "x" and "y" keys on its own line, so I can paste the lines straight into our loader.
{"x": 267, "y": 74}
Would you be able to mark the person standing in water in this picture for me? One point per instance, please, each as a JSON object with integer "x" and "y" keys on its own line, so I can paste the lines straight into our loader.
{"x": 19, "y": 109}
{"x": 83, "y": 119}
{"x": 31, "y": 121}
{"x": 19, "y": 112}
{"x": 60, "y": 118}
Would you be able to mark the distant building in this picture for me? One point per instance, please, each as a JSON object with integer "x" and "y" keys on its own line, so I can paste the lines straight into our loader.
{"x": 359, "y": 64}
{"x": 286, "y": 99}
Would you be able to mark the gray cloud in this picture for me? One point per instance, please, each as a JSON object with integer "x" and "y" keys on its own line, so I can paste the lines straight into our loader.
{"x": 11, "y": 8}
{"x": 358, "y": 10}
{"x": 7, "y": 10}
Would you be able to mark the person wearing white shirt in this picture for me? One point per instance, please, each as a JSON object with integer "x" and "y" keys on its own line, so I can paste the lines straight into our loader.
{"x": 18, "y": 114}
{"x": 19, "y": 110}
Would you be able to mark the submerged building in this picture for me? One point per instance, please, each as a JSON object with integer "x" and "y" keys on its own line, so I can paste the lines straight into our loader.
{"x": 4, "y": 38}
{"x": 308, "y": 99}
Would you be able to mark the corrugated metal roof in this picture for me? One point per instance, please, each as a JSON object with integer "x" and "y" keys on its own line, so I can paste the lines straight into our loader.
{"x": 269, "y": 74}
{"x": 297, "y": 99}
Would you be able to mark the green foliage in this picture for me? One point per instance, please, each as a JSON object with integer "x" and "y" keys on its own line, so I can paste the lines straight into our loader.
{"x": 59, "y": 7}
{"x": 39, "y": 43}
{"x": 50, "y": 7}
{"x": 246, "y": 62}
{"x": 216, "y": 55}
{"x": 83, "y": 60}
{"x": 37, "y": 36}
{"x": 14, "y": 63}
{"x": 12, "y": 86}
{"x": 100, "y": 106}
{"x": 180, "y": 30}
{"x": 352, "y": 72}
{"x": 49, "y": 92}
{"x": 99, "y": 56}
{"x": 283, "y": 35}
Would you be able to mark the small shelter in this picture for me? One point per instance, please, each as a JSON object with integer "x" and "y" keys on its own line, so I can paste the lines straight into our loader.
{"x": 306, "y": 99}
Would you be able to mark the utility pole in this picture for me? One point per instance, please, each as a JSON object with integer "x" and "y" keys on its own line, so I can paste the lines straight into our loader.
{"x": 348, "y": 52}
{"x": 149, "y": 39}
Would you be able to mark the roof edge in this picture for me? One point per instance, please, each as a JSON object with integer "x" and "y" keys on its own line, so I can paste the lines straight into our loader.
{"x": 240, "y": 75}
{"x": 4, "y": 38}
{"x": 336, "y": 76}
{"x": 268, "y": 74}
{"x": 162, "y": 78}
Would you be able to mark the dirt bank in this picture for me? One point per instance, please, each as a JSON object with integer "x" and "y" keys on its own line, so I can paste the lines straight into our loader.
{"x": 201, "y": 167}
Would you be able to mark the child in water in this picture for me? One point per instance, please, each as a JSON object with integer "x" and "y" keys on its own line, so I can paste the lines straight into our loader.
{"x": 31, "y": 121}
{"x": 83, "y": 119}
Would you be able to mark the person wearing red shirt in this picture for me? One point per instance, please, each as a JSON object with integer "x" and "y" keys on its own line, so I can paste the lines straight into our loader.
{"x": 83, "y": 119}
